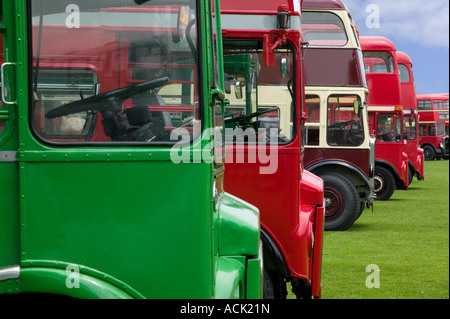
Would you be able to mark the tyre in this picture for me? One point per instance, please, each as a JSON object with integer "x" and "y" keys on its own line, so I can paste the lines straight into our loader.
{"x": 410, "y": 175}
{"x": 342, "y": 202}
{"x": 384, "y": 183}
{"x": 268, "y": 289}
{"x": 429, "y": 153}
{"x": 274, "y": 286}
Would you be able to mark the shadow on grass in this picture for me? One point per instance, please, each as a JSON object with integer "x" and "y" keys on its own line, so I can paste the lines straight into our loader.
{"x": 389, "y": 200}
{"x": 360, "y": 227}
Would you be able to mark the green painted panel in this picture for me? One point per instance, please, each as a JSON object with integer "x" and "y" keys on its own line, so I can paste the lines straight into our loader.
{"x": 148, "y": 224}
{"x": 9, "y": 215}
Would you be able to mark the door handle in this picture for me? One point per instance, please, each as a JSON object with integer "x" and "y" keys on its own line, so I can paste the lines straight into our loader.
{"x": 2, "y": 80}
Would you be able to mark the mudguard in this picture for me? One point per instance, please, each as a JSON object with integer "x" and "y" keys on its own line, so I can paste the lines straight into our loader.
{"x": 346, "y": 165}
{"x": 230, "y": 279}
{"x": 61, "y": 282}
{"x": 238, "y": 227}
{"x": 239, "y": 266}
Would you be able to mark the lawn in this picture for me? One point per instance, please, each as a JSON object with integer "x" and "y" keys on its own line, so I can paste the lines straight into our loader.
{"x": 404, "y": 241}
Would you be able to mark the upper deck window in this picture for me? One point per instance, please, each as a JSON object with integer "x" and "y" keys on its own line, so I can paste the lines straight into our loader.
{"x": 424, "y": 104}
{"x": 437, "y": 105}
{"x": 378, "y": 62}
{"x": 404, "y": 73}
{"x": 323, "y": 29}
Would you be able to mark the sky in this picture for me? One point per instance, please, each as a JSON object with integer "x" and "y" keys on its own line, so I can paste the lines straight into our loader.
{"x": 420, "y": 28}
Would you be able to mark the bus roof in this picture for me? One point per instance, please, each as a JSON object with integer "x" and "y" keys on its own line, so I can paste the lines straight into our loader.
{"x": 376, "y": 43}
{"x": 403, "y": 58}
{"x": 430, "y": 96}
{"x": 323, "y": 5}
{"x": 259, "y": 7}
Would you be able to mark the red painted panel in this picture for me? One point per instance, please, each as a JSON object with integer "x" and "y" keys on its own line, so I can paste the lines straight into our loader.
{"x": 384, "y": 89}
{"x": 254, "y": 7}
{"x": 323, "y": 5}
{"x": 265, "y": 191}
{"x": 375, "y": 43}
{"x": 333, "y": 67}
{"x": 358, "y": 158}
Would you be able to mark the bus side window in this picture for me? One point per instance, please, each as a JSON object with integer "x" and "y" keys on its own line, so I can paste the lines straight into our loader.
{"x": 431, "y": 130}
{"x": 423, "y": 130}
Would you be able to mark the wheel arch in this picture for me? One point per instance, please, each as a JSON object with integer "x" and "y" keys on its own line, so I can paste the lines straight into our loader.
{"x": 398, "y": 181}
{"x": 58, "y": 281}
{"x": 354, "y": 174}
{"x": 411, "y": 166}
{"x": 422, "y": 146}
{"x": 272, "y": 255}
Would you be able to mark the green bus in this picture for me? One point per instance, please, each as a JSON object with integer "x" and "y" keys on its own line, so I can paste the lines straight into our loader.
{"x": 111, "y": 174}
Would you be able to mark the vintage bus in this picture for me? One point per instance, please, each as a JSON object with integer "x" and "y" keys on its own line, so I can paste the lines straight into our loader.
{"x": 264, "y": 89}
{"x": 433, "y": 125}
{"x": 385, "y": 115}
{"x": 338, "y": 147}
{"x": 112, "y": 183}
{"x": 410, "y": 118}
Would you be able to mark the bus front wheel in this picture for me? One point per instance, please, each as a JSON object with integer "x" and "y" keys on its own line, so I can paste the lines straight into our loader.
{"x": 429, "y": 153}
{"x": 383, "y": 183}
{"x": 342, "y": 202}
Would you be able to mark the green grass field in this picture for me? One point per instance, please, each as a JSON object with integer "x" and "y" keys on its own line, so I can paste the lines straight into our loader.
{"x": 406, "y": 238}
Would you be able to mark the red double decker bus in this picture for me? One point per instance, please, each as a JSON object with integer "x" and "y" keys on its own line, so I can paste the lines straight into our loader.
{"x": 433, "y": 125}
{"x": 385, "y": 115}
{"x": 264, "y": 148}
{"x": 410, "y": 118}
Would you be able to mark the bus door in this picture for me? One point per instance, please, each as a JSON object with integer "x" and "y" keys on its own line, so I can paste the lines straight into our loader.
{"x": 389, "y": 134}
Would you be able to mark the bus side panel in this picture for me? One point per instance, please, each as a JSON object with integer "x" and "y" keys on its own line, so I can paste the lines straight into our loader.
{"x": 328, "y": 67}
{"x": 112, "y": 217}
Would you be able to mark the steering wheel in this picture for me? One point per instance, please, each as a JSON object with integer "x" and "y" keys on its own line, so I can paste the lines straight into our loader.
{"x": 387, "y": 137}
{"x": 108, "y": 101}
{"x": 242, "y": 119}
{"x": 341, "y": 125}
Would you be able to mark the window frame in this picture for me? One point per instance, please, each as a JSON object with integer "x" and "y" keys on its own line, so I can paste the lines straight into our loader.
{"x": 200, "y": 85}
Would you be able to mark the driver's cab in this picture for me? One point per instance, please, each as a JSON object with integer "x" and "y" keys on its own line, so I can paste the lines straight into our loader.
{"x": 260, "y": 108}
{"x": 345, "y": 114}
{"x": 345, "y": 120}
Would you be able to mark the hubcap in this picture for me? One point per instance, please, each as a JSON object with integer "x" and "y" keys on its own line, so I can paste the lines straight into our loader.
{"x": 378, "y": 183}
{"x": 334, "y": 203}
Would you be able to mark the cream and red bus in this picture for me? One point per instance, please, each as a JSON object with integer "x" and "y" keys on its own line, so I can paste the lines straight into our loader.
{"x": 338, "y": 147}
